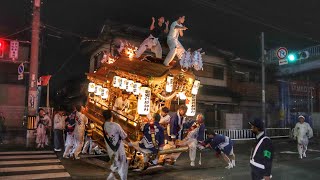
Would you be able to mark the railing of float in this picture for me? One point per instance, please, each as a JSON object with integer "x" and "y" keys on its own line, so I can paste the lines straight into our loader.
{"x": 246, "y": 134}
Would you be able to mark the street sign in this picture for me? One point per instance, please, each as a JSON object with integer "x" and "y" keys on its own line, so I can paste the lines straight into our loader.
{"x": 21, "y": 69}
{"x": 14, "y": 50}
{"x": 283, "y": 62}
{"x": 282, "y": 53}
{"x": 20, "y": 76}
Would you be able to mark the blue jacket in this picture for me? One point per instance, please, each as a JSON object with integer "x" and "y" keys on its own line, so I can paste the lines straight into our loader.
{"x": 146, "y": 142}
{"x": 200, "y": 136}
{"x": 176, "y": 126}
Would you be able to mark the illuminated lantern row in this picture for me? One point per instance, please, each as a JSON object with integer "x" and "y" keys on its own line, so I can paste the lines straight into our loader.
{"x": 125, "y": 84}
{"x": 91, "y": 87}
{"x": 129, "y": 86}
{"x": 144, "y": 101}
{"x": 136, "y": 87}
{"x": 195, "y": 87}
{"x": 191, "y": 104}
{"x": 104, "y": 93}
{"x": 116, "y": 81}
{"x": 169, "y": 85}
{"x": 98, "y": 90}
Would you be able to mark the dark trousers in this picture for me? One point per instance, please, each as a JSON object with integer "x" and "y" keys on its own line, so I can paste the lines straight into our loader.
{"x": 1, "y": 136}
{"x": 58, "y": 138}
{"x": 256, "y": 175}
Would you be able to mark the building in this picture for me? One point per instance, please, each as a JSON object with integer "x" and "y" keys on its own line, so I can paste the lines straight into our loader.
{"x": 12, "y": 90}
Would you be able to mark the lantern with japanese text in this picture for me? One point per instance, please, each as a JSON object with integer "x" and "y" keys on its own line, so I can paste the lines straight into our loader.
{"x": 144, "y": 101}
{"x": 104, "y": 93}
{"x": 136, "y": 87}
{"x": 129, "y": 86}
{"x": 98, "y": 90}
{"x": 191, "y": 104}
{"x": 169, "y": 85}
{"x": 122, "y": 84}
{"x": 91, "y": 87}
{"x": 195, "y": 87}
{"x": 116, "y": 81}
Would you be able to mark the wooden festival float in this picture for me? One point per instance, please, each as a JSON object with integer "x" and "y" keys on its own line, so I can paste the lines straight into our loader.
{"x": 145, "y": 79}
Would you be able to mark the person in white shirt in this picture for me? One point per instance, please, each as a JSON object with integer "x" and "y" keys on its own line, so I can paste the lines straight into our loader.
{"x": 176, "y": 30}
{"x": 58, "y": 127}
{"x": 121, "y": 103}
{"x": 165, "y": 123}
{"x": 302, "y": 133}
{"x": 81, "y": 122}
{"x": 114, "y": 136}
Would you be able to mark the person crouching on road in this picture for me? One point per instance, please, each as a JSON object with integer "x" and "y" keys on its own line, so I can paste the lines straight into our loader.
{"x": 223, "y": 146}
{"x": 261, "y": 154}
{"x": 79, "y": 131}
{"x": 114, "y": 136}
{"x": 58, "y": 127}
{"x": 195, "y": 133}
{"x": 302, "y": 133}
{"x": 152, "y": 141}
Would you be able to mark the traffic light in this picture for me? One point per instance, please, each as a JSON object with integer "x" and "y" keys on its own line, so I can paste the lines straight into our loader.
{"x": 295, "y": 56}
{"x": 1, "y": 48}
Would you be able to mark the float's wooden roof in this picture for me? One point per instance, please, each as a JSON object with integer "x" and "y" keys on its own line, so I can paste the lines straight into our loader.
{"x": 141, "y": 68}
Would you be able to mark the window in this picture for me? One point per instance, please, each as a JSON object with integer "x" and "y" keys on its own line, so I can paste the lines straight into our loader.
{"x": 218, "y": 73}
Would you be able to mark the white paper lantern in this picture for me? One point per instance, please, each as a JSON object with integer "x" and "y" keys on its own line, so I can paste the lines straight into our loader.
{"x": 136, "y": 88}
{"x": 182, "y": 95}
{"x": 116, "y": 81}
{"x": 129, "y": 86}
{"x": 191, "y": 104}
{"x": 122, "y": 84}
{"x": 144, "y": 101}
{"x": 91, "y": 87}
{"x": 195, "y": 87}
{"x": 104, "y": 93}
{"x": 98, "y": 90}
{"x": 169, "y": 85}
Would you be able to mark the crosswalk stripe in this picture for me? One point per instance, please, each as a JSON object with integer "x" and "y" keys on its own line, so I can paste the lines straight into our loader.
{"x": 30, "y": 168}
{"x": 22, "y": 162}
{"x": 26, "y": 152}
{"x": 28, "y": 157}
{"x": 37, "y": 176}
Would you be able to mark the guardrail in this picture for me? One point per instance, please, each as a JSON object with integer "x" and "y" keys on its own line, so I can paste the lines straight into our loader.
{"x": 246, "y": 134}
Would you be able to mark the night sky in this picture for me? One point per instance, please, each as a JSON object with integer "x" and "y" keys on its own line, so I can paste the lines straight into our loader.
{"x": 232, "y": 25}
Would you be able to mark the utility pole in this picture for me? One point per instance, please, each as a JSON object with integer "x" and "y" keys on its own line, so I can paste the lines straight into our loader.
{"x": 263, "y": 80}
{"x": 33, "y": 75}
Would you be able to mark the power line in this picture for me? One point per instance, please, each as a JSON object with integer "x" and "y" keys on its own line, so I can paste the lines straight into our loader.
{"x": 62, "y": 31}
{"x": 256, "y": 20}
{"x": 18, "y": 32}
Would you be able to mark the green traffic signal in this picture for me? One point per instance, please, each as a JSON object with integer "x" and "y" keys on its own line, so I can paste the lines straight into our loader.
{"x": 292, "y": 57}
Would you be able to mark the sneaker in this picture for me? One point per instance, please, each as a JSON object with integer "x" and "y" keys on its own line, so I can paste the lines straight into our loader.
{"x": 192, "y": 164}
{"x": 58, "y": 150}
{"x": 300, "y": 156}
{"x": 233, "y": 163}
{"x": 229, "y": 166}
{"x": 304, "y": 155}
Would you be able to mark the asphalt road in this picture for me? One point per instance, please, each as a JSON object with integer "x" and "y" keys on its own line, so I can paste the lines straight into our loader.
{"x": 286, "y": 165}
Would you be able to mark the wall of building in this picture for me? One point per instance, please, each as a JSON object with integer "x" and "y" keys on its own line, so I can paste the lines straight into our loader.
{"x": 12, "y": 104}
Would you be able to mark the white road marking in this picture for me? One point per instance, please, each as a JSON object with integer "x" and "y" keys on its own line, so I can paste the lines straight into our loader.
{"x": 30, "y": 168}
{"x": 37, "y": 176}
{"x": 28, "y": 156}
{"x": 26, "y": 152}
{"x": 22, "y": 162}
